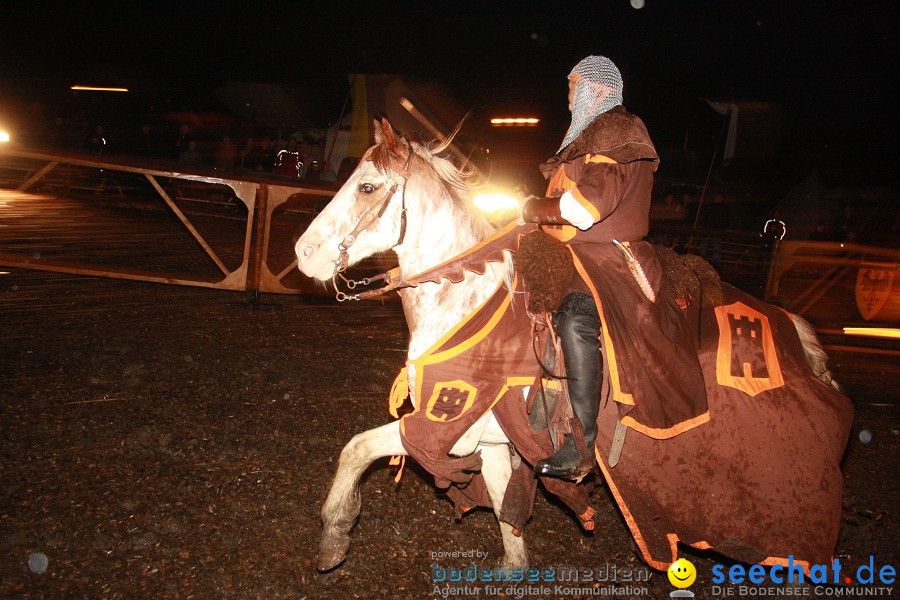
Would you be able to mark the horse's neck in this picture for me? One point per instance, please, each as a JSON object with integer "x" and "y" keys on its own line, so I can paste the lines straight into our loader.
{"x": 433, "y": 309}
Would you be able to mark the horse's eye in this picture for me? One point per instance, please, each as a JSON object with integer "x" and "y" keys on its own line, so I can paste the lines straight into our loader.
{"x": 367, "y": 188}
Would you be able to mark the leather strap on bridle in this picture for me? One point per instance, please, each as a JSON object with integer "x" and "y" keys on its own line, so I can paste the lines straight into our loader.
{"x": 366, "y": 221}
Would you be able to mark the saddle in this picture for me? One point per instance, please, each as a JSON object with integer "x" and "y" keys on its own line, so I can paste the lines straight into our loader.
{"x": 547, "y": 271}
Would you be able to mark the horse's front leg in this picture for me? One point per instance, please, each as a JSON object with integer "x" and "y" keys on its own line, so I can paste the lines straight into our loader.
{"x": 343, "y": 503}
{"x": 496, "y": 468}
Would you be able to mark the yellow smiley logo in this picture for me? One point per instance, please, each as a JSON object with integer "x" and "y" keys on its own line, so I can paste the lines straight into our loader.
{"x": 682, "y": 573}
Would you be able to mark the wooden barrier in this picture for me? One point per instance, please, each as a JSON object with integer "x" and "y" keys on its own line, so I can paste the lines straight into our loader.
{"x": 857, "y": 280}
{"x": 26, "y": 172}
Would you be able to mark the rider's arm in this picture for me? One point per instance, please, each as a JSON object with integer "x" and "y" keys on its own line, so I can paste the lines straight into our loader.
{"x": 597, "y": 187}
{"x": 563, "y": 210}
{"x": 543, "y": 211}
{"x": 601, "y": 184}
{"x": 574, "y": 212}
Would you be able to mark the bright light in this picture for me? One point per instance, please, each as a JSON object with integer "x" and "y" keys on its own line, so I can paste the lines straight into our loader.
{"x": 881, "y": 332}
{"x": 495, "y": 203}
{"x": 4, "y": 136}
{"x": 89, "y": 88}
{"x": 515, "y": 121}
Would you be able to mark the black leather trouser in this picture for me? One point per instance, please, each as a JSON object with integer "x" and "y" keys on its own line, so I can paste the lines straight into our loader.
{"x": 578, "y": 325}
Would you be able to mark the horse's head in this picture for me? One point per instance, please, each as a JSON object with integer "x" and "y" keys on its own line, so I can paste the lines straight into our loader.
{"x": 365, "y": 215}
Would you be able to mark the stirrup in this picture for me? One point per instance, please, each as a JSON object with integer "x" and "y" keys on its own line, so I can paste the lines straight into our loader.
{"x": 551, "y": 467}
{"x": 575, "y": 474}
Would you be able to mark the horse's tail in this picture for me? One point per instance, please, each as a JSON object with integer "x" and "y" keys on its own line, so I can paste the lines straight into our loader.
{"x": 815, "y": 354}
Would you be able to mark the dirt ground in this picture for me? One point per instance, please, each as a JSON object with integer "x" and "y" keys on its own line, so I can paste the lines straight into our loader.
{"x": 172, "y": 442}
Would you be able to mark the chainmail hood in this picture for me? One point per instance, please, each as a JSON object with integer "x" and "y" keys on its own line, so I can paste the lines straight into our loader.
{"x": 598, "y": 88}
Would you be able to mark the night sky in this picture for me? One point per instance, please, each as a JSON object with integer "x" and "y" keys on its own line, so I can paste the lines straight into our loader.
{"x": 831, "y": 64}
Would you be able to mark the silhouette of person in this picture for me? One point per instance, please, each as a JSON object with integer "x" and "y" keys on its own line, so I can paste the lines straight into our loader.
{"x": 226, "y": 154}
{"x": 97, "y": 142}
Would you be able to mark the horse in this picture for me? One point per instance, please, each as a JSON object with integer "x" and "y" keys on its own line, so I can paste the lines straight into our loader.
{"x": 403, "y": 196}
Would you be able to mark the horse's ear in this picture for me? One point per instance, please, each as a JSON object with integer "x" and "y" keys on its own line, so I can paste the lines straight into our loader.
{"x": 379, "y": 137}
{"x": 389, "y": 137}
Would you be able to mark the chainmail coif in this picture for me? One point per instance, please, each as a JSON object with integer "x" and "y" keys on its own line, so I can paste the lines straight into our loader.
{"x": 598, "y": 89}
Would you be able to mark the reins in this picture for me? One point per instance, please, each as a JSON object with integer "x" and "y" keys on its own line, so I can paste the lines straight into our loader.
{"x": 366, "y": 221}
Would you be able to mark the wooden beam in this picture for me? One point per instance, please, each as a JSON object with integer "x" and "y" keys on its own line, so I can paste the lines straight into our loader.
{"x": 188, "y": 224}
{"x": 37, "y": 176}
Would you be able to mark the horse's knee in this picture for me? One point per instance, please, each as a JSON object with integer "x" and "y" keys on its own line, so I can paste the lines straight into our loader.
{"x": 351, "y": 449}
{"x": 365, "y": 447}
{"x": 342, "y": 504}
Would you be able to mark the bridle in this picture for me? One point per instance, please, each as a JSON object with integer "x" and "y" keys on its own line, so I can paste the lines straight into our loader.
{"x": 372, "y": 214}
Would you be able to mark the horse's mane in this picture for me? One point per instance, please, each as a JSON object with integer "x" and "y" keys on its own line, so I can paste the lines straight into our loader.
{"x": 385, "y": 156}
{"x": 459, "y": 182}
{"x": 464, "y": 177}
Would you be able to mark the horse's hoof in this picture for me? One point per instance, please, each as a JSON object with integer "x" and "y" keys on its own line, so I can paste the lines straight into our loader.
{"x": 325, "y": 564}
{"x": 332, "y": 552}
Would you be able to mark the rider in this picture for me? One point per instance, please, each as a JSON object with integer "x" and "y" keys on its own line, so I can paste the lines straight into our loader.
{"x": 598, "y": 202}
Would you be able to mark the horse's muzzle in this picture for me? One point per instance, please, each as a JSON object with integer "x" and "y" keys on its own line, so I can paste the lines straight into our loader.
{"x": 310, "y": 259}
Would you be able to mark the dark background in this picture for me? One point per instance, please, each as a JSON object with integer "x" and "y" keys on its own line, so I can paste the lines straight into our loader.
{"x": 830, "y": 65}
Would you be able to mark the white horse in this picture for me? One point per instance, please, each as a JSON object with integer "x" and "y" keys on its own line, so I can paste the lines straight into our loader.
{"x": 403, "y": 197}
{"x": 433, "y": 203}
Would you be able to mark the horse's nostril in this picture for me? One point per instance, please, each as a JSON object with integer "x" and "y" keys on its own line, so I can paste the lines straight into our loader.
{"x": 305, "y": 250}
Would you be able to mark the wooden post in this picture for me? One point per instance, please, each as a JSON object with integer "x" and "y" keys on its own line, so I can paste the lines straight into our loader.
{"x": 260, "y": 225}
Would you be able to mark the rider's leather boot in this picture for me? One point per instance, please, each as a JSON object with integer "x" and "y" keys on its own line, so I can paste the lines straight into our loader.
{"x": 578, "y": 326}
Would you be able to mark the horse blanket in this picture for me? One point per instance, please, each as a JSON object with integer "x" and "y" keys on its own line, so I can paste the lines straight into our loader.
{"x": 757, "y": 478}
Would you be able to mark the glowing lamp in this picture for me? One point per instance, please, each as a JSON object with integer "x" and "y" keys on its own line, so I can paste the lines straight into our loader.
{"x": 878, "y": 332}
{"x": 515, "y": 122}
{"x": 90, "y": 88}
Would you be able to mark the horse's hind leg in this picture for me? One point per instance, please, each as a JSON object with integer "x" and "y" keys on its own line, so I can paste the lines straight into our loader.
{"x": 342, "y": 506}
{"x": 496, "y": 467}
